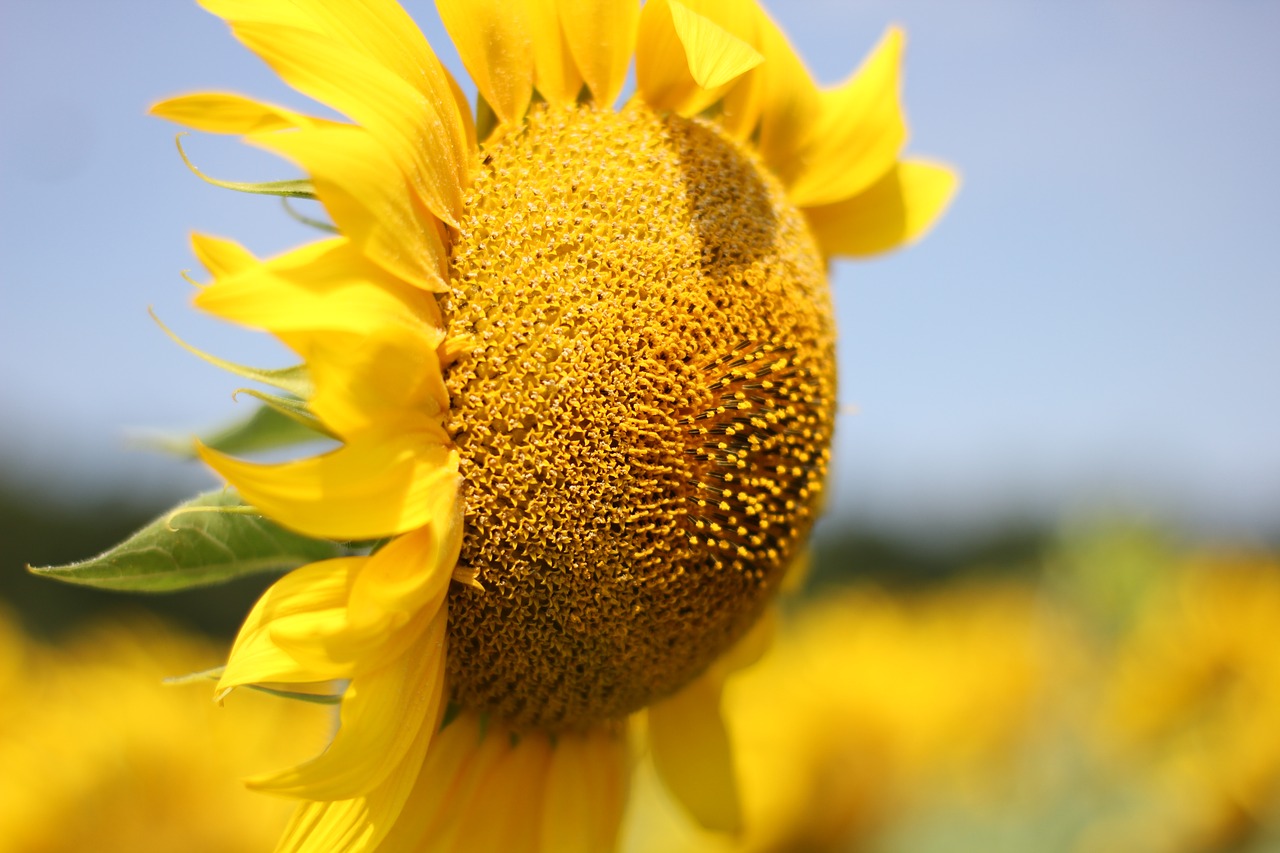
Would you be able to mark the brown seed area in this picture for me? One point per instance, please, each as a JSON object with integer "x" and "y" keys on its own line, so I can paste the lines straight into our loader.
{"x": 644, "y": 414}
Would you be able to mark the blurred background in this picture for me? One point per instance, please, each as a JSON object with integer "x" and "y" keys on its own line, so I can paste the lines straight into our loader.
{"x": 1055, "y": 490}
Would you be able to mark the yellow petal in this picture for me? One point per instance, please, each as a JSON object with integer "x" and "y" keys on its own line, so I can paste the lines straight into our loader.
{"x": 411, "y": 573}
{"x": 608, "y": 768}
{"x": 220, "y": 256}
{"x": 369, "y": 340}
{"x": 315, "y": 591}
{"x": 518, "y": 781}
{"x": 379, "y": 619}
{"x": 715, "y": 55}
{"x": 325, "y": 286}
{"x": 556, "y": 76}
{"x": 219, "y": 112}
{"x": 684, "y": 59}
{"x": 321, "y": 827}
{"x": 896, "y": 210}
{"x": 750, "y": 647}
{"x": 460, "y": 758}
{"x": 339, "y": 312}
{"x": 601, "y": 36}
{"x": 692, "y": 754}
{"x": 860, "y": 132}
{"x": 494, "y": 42}
{"x": 273, "y": 11}
{"x": 362, "y": 381}
{"x": 797, "y": 571}
{"x": 379, "y": 31}
{"x": 662, "y": 67}
{"x": 379, "y": 485}
{"x": 382, "y": 34}
{"x": 370, "y": 200}
{"x": 411, "y": 127}
{"x": 743, "y": 102}
{"x": 385, "y": 32}
{"x": 306, "y": 628}
{"x": 359, "y": 824}
{"x": 586, "y": 792}
{"x": 789, "y": 104}
{"x": 383, "y": 712}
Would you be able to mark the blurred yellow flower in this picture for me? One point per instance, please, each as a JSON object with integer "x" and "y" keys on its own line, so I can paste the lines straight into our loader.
{"x": 1190, "y": 718}
{"x": 580, "y": 365}
{"x": 872, "y": 705}
{"x": 97, "y": 754}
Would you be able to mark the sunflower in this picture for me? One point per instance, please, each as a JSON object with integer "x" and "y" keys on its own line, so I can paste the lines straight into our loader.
{"x": 99, "y": 755}
{"x": 579, "y": 363}
{"x": 905, "y": 710}
{"x": 1188, "y": 710}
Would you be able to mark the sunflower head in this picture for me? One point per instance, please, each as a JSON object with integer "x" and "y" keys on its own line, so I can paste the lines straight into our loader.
{"x": 644, "y": 413}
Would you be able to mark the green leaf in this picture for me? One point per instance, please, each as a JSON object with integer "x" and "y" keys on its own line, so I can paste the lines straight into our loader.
{"x": 268, "y": 427}
{"x": 210, "y": 539}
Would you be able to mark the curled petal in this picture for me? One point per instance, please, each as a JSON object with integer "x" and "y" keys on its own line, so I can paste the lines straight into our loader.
{"x": 361, "y": 823}
{"x": 413, "y": 575}
{"x": 685, "y": 59}
{"x": 383, "y": 712}
{"x": 308, "y": 597}
{"x": 859, "y": 134}
{"x": 894, "y": 211}
{"x": 379, "y": 485}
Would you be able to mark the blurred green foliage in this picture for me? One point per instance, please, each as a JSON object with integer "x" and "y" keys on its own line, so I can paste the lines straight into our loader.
{"x": 44, "y": 529}
{"x": 899, "y": 559}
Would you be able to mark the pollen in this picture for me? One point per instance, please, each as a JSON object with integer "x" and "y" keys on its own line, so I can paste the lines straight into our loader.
{"x": 643, "y": 410}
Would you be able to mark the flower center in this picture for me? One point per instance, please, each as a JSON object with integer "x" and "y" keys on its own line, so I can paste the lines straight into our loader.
{"x": 644, "y": 415}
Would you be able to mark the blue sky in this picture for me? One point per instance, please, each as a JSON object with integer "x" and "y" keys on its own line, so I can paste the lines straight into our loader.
{"x": 1094, "y": 324}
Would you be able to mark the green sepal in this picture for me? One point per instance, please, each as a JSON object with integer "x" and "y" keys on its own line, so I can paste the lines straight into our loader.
{"x": 298, "y": 188}
{"x": 291, "y": 408}
{"x": 210, "y": 539}
{"x": 486, "y": 118}
{"x": 268, "y": 427}
{"x": 318, "y": 224}
{"x": 451, "y": 712}
{"x": 293, "y": 380}
{"x": 216, "y": 673}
